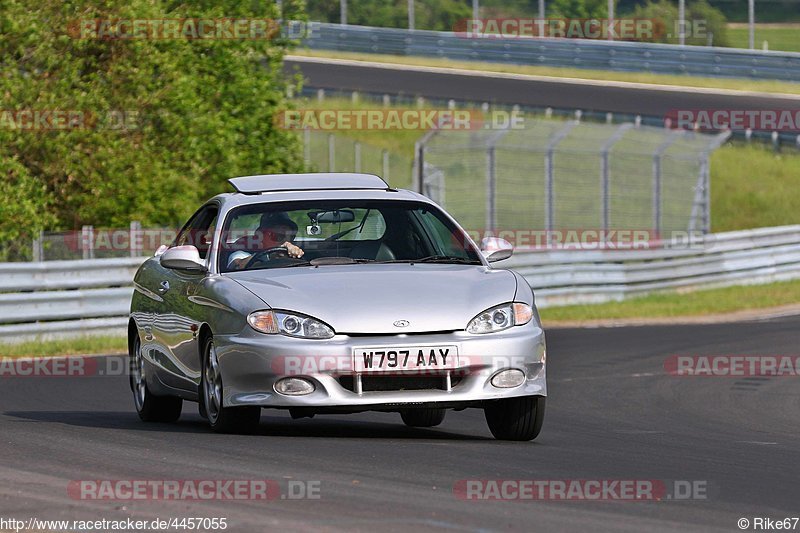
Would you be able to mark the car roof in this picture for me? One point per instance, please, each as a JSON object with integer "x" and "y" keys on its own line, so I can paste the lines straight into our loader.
{"x": 234, "y": 199}
{"x": 306, "y": 182}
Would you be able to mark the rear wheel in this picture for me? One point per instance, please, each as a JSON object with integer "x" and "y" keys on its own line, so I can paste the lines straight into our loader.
{"x": 423, "y": 418}
{"x": 150, "y": 408}
{"x": 222, "y": 419}
{"x": 516, "y": 418}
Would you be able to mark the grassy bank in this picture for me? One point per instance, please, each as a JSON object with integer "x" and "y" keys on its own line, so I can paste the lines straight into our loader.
{"x": 697, "y": 303}
{"x": 785, "y": 37}
{"x": 76, "y": 346}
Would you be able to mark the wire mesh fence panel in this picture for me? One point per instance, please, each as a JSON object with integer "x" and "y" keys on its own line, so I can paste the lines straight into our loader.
{"x": 328, "y": 152}
{"x": 567, "y": 175}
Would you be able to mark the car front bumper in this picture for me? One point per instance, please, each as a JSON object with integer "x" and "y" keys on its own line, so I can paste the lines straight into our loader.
{"x": 251, "y": 363}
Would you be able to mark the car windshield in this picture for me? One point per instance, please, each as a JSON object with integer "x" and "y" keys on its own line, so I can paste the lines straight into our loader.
{"x": 284, "y": 235}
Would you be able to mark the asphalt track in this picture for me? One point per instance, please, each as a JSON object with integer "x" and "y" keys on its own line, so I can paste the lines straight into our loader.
{"x": 613, "y": 413}
{"x": 533, "y": 91}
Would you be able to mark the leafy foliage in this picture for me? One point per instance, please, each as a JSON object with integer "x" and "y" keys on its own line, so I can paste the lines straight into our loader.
{"x": 712, "y": 21}
{"x": 440, "y": 15}
{"x": 165, "y": 121}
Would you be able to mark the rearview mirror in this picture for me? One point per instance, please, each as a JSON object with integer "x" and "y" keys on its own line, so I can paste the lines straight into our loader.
{"x": 185, "y": 257}
{"x": 337, "y": 216}
{"x": 496, "y": 249}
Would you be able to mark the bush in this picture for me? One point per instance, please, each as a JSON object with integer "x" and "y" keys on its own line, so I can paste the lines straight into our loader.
{"x": 442, "y": 15}
{"x": 701, "y": 18}
{"x": 196, "y": 112}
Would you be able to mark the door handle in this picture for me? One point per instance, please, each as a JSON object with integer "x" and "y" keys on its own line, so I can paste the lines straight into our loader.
{"x": 163, "y": 286}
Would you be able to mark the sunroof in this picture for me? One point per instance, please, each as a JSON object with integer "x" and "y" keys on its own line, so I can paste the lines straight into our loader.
{"x": 299, "y": 182}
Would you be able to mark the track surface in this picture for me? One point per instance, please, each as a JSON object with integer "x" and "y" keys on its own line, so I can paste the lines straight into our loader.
{"x": 612, "y": 413}
{"x": 593, "y": 96}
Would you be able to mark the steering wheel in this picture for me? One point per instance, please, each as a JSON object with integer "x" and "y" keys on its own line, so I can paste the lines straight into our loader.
{"x": 266, "y": 255}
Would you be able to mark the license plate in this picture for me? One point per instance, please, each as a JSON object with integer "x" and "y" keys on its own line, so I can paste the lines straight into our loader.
{"x": 407, "y": 358}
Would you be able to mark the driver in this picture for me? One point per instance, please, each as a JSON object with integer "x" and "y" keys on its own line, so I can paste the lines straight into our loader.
{"x": 275, "y": 230}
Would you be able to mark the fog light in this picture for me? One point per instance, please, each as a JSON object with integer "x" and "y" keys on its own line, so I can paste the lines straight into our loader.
{"x": 294, "y": 386}
{"x": 508, "y": 379}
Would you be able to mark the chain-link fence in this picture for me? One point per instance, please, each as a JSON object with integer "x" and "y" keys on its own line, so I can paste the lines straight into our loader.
{"x": 557, "y": 175}
{"x": 326, "y": 152}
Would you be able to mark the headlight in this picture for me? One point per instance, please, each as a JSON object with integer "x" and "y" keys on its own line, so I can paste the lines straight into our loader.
{"x": 500, "y": 318}
{"x": 291, "y": 324}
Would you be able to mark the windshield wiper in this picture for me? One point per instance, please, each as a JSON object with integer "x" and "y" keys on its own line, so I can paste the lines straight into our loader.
{"x": 436, "y": 259}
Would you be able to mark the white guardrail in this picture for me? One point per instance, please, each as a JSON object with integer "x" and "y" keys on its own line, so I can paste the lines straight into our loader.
{"x": 57, "y": 299}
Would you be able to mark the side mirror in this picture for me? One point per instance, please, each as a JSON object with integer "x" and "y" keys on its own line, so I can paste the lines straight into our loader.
{"x": 496, "y": 249}
{"x": 185, "y": 257}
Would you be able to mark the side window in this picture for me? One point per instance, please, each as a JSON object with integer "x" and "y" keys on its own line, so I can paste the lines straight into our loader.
{"x": 443, "y": 239}
{"x": 199, "y": 231}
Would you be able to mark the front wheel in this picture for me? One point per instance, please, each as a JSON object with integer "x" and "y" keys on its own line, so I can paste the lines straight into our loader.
{"x": 516, "y": 418}
{"x": 150, "y": 408}
{"x": 422, "y": 418}
{"x": 222, "y": 419}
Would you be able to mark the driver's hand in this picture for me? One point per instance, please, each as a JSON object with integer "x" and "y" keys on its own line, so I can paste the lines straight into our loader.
{"x": 294, "y": 251}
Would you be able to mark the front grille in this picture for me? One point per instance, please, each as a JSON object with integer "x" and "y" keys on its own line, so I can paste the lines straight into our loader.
{"x": 398, "y": 383}
{"x": 420, "y": 335}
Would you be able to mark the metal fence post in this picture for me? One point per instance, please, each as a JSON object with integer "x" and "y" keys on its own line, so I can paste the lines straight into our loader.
{"x": 491, "y": 197}
{"x": 38, "y": 247}
{"x": 385, "y": 165}
{"x": 331, "y": 153}
{"x": 307, "y": 146}
{"x": 549, "y": 178}
{"x": 491, "y": 179}
{"x": 702, "y": 201}
{"x": 605, "y": 174}
{"x": 357, "y": 156}
{"x": 87, "y": 242}
{"x": 658, "y": 155}
{"x": 135, "y": 236}
{"x": 418, "y": 176}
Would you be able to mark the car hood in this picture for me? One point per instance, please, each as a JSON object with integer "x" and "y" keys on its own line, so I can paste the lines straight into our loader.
{"x": 369, "y": 299}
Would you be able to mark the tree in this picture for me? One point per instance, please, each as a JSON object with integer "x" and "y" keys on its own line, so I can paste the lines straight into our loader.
{"x": 702, "y": 20}
{"x": 163, "y": 122}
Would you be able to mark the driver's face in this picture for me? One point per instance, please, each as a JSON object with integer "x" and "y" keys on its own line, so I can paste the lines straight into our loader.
{"x": 279, "y": 234}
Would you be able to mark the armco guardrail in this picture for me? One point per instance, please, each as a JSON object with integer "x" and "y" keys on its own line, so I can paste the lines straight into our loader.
{"x": 55, "y": 299}
{"x": 580, "y": 53}
{"x": 717, "y": 260}
{"x": 68, "y": 298}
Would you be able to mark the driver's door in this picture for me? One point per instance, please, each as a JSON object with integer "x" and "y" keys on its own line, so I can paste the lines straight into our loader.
{"x": 177, "y": 324}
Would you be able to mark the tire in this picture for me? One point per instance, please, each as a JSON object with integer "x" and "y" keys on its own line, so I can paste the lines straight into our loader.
{"x": 516, "y": 418}
{"x": 426, "y": 417}
{"x": 222, "y": 419}
{"x": 150, "y": 408}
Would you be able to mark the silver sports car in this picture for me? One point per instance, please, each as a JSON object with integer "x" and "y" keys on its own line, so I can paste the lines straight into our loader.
{"x": 334, "y": 293}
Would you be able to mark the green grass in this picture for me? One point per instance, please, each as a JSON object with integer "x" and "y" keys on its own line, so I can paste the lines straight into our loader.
{"x": 779, "y": 36}
{"x": 740, "y": 84}
{"x": 752, "y": 186}
{"x": 688, "y": 304}
{"x": 76, "y": 346}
